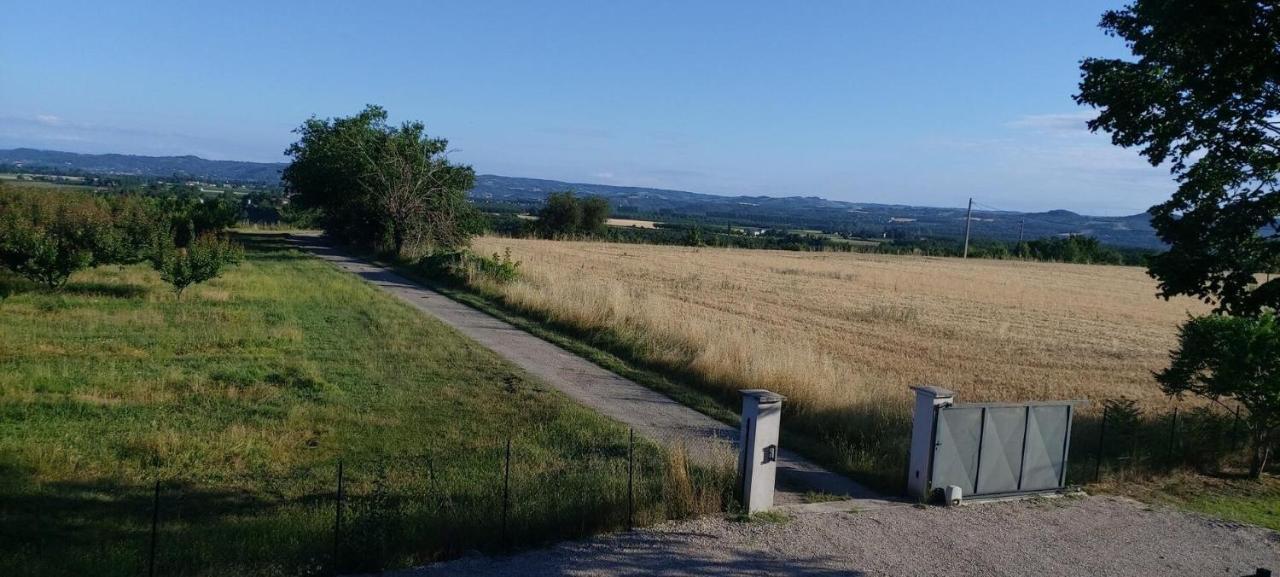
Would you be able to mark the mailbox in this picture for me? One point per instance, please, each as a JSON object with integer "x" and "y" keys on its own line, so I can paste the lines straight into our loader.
{"x": 758, "y": 457}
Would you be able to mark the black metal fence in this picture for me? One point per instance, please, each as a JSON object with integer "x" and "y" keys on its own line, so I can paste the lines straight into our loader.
{"x": 351, "y": 516}
{"x": 1126, "y": 439}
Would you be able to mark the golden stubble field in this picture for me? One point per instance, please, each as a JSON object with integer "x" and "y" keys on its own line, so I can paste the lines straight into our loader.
{"x": 833, "y": 331}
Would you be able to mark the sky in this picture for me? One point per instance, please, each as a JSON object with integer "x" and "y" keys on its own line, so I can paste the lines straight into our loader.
{"x": 925, "y": 103}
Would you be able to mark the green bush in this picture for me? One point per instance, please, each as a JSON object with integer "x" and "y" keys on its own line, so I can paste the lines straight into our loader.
{"x": 200, "y": 261}
{"x": 466, "y": 267}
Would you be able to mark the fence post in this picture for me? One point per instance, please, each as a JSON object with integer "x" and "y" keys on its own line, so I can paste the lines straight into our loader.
{"x": 631, "y": 495}
{"x": 1102, "y": 434}
{"x": 337, "y": 523}
{"x": 155, "y": 527}
{"x": 1173, "y": 433}
{"x": 506, "y": 495}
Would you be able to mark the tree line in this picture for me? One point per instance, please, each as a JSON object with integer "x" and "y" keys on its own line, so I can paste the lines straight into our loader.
{"x": 47, "y": 235}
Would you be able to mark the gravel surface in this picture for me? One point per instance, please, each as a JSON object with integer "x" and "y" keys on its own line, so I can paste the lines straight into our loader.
{"x": 1092, "y": 536}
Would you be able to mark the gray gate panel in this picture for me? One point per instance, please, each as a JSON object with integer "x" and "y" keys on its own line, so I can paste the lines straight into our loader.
{"x": 1043, "y": 456}
{"x": 1001, "y": 458}
{"x": 955, "y": 455}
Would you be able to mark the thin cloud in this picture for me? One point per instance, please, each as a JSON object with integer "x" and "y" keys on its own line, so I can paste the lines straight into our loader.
{"x": 49, "y": 120}
{"x": 1061, "y": 124}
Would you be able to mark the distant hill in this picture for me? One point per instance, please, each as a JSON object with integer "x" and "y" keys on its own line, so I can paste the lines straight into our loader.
{"x": 811, "y": 212}
{"x": 192, "y": 167}
{"x": 793, "y": 212}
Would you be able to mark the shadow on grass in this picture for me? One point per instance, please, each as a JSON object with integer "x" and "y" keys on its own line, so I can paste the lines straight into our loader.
{"x": 104, "y": 528}
{"x": 270, "y": 246}
{"x": 288, "y": 525}
{"x": 11, "y": 285}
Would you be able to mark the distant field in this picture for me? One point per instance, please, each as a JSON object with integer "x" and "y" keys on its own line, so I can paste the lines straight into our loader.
{"x": 67, "y": 182}
{"x": 623, "y": 222}
{"x": 844, "y": 335}
{"x": 628, "y": 222}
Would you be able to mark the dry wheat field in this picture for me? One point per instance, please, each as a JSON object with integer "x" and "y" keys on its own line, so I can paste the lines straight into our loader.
{"x": 832, "y": 330}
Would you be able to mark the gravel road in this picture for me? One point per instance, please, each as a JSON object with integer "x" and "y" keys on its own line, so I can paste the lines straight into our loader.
{"x": 1092, "y": 536}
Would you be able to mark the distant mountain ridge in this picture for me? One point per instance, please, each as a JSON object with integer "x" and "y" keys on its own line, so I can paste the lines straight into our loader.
{"x": 811, "y": 212}
{"x": 793, "y": 212}
{"x": 192, "y": 167}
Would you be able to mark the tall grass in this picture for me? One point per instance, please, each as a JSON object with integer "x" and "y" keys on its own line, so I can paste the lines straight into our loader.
{"x": 241, "y": 400}
{"x": 844, "y": 335}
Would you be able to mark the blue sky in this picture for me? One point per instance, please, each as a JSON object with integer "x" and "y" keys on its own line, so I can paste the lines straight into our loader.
{"x": 913, "y": 103}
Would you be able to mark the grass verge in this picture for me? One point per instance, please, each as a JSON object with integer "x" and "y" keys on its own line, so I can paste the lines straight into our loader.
{"x": 1226, "y": 496}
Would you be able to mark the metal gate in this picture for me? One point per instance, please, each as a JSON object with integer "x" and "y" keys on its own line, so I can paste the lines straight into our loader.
{"x": 997, "y": 449}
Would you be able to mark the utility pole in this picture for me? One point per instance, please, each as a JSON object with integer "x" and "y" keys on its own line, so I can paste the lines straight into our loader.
{"x": 968, "y": 220}
{"x": 1021, "y": 225}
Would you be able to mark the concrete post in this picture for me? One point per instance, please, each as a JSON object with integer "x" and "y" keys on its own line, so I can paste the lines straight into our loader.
{"x": 928, "y": 399}
{"x": 758, "y": 458}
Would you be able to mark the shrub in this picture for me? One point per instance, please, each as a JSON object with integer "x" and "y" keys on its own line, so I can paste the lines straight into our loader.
{"x": 499, "y": 268}
{"x": 469, "y": 268}
{"x": 198, "y": 262}
{"x": 1223, "y": 357}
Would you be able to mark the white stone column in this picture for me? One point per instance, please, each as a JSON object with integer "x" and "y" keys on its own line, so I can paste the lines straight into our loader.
{"x": 758, "y": 457}
{"x": 928, "y": 399}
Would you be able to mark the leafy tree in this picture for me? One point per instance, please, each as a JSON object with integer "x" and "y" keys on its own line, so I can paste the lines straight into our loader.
{"x": 595, "y": 215}
{"x": 561, "y": 215}
{"x": 47, "y": 237}
{"x": 1225, "y": 357}
{"x": 1203, "y": 96}
{"x": 380, "y": 186}
{"x": 214, "y": 214}
{"x": 694, "y": 237}
{"x": 202, "y": 260}
{"x": 565, "y": 215}
{"x": 134, "y": 224}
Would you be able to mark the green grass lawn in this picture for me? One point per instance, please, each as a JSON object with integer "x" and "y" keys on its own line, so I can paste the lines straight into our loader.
{"x": 242, "y": 399}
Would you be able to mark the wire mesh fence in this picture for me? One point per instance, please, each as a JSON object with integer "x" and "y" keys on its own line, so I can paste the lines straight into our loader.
{"x": 1126, "y": 439}
{"x": 353, "y": 515}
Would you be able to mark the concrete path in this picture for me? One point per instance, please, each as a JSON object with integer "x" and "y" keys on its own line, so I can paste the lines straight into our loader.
{"x": 652, "y": 414}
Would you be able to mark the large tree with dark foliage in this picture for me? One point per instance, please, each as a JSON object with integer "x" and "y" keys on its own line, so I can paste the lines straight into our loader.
{"x": 567, "y": 215}
{"x": 381, "y": 186}
{"x": 1203, "y": 96}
